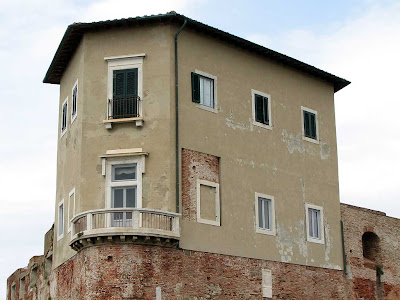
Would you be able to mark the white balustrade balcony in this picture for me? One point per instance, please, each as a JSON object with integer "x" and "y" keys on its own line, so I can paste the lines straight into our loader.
{"x": 126, "y": 225}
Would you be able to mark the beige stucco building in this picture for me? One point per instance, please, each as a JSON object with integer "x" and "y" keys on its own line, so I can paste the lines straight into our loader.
{"x": 199, "y": 147}
{"x": 238, "y": 102}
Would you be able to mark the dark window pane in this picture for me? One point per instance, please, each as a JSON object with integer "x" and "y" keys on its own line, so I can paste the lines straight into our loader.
{"x": 260, "y": 213}
{"x": 118, "y": 198}
{"x": 259, "y": 103}
{"x": 131, "y": 197}
{"x": 266, "y": 115}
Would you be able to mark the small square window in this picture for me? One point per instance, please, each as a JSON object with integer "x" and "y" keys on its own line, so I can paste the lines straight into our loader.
{"x": 124, "y": 172}
{"x": 265, "y": 214}
{"x": 310, "y": 125}
{"x": 315, "y": 229}
{"x": 64, "y": 117}
{"x": 204, "y": 90}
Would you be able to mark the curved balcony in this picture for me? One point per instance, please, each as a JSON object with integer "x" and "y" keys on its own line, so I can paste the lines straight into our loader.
{"x": 125, "y": 225}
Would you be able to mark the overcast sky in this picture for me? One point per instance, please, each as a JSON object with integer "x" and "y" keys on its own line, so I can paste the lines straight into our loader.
{"x": 355, "y": 39}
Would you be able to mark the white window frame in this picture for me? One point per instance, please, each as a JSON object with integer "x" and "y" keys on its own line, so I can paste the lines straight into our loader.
{"x": 253, "y": 109}
{"x": 69, "y": 218}
{"x": 123, "y": 62}
{"x": 140, "y": 168}
{"x": 311, "y": 239}
{"x": 60, "y": 236}
{"x": 215, "y": 185}
{"x": 73, "y": 117}
{"x": 316, "y": 141}
{"x": 62, "y": 117}
{"x": 272, "y": 230}
{"x": 207, "y": 108}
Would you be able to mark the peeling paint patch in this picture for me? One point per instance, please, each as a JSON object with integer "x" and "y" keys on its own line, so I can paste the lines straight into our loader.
{"x": 236, "y": 126}
{"x": 242, "y": 162}
{"x": 286, "y": 241}
{"x": 325, "y": 151}
{"x": 295, "y": 143}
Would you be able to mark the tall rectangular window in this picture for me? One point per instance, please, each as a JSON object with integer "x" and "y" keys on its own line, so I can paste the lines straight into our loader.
{"x": 204, "y": 90}
{"x": 64, "y": 117}
{"x": 314, "y": 218}
{"x": 74, "y": 101}
{"x": 125, "y": 94}
{"x": 265, "y": 214}
{"x": 123, "y": 192}
{"x": 60, "y": 220}
{"x": 310, "y": 124}
{"x": 314, "y": 223}
{"x": 261, "y": 109}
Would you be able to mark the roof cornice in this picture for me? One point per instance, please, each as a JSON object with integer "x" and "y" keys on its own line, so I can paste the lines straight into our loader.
{"x": 75, "y": 32}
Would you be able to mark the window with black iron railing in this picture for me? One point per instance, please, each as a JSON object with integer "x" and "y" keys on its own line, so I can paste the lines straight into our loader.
{"x": 121, "y": 108}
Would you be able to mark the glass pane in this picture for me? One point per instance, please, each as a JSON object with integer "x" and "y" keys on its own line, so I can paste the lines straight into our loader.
{"x": 124, "y": 173}
{"x": 118, "y": 198}
{"x": 310, "y": 222}
{"x": 267, "y": 212}
{"x": 117, "y": 219}
{"x": 131, "y": 197}
{"x": 207, "y": 92}
{"x": 128, "y": 219}
{"x": 259, "y": 109}
{"x": 316, "y": 224}
{"x": 260, "y": 213}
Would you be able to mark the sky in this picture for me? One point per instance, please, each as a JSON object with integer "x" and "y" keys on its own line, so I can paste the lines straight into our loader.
{"x": 355, "y": 39}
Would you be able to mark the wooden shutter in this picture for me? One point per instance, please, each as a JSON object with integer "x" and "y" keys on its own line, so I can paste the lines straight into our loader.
{"x": 195, "y": 87}
{"x": 131, "y": 76}
{"x": 119, "y": 84}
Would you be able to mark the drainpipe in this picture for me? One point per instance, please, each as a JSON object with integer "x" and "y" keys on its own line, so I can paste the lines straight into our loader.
{"x": 177, "y": 115}
{"x": 344, "y": 249}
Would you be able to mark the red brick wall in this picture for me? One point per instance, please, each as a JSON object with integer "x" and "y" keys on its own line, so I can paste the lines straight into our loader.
{"x": 134, "y": 272}
{"x": 196, "y": 165}
{"x": 361, "y": 270}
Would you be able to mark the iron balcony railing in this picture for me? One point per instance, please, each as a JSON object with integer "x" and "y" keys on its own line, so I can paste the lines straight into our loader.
{"x": 120, "y": 108}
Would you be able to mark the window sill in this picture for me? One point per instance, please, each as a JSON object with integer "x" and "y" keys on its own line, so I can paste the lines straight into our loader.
{"x": 137, "y": 120}
{"x": 207, "y": 108}
{"x": 317, "y": 241}
{"x": 310, "y": 140}
{"x": 255, "y": 123}
{"x": 265, "y": 231}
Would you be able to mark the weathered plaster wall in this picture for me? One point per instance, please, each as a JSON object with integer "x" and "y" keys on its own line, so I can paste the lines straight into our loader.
{"x": 87, "y": 138}
{"x": 361, "y": 270}
{"x": 275, "y": 162}
{"x": 69, "y": 149}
